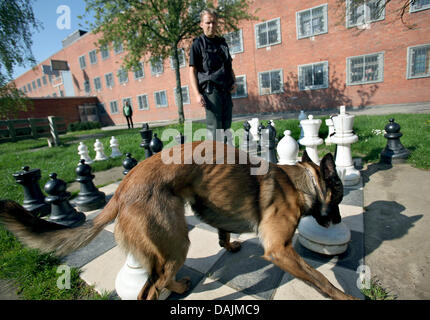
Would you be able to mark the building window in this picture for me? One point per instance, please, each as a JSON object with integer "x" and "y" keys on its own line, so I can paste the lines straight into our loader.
{"x": 313, "y": 76}
{"x": 124, "y": 100}
{"x": 143, "y": 102}
{"x": 117, "y": 47}
{"x": 113, "y": 107}
{"x": 185, "y": 95}
{"x": 419, "y": 5}
{"x": 33, "y": 83}
{"x": 39, "y": 83}
{"x": 270, "y": 82}
{"x": 138, "y": 71}
{"x": 160, "y": 98}
{"x": 93, "y": 56}
{"x": 241, "y": 90}
{"x": 156, "y": 67}
{"x": 82, "y": 62}
{"x": 29, "y": 87}
{"x": 368, "y": 68}
{"x": 54, "y": 94}
{"x": 87, "y": 86}
{"x": 235, "y": 41}
{"x": 44, "y": 81}
{"x": 97, "y": 84}
{"x": 311, "y": 22}
{"x": 181, "y": 56}
{"x": 109, "y": 80}
{"x": 361, "y": 13}
{"x": 122, "y": 76}
{"x": 268, "y": 33}
{"x": 418, "y": 61}
{"x": 104, "y": 52}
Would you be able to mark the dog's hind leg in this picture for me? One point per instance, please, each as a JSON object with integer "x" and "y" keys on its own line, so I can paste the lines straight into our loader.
{"x": 224, "y": 241}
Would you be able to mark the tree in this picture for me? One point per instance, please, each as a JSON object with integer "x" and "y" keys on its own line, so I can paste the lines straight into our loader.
{"x": 16, "y": 20}
{"x": 158, "y": 29}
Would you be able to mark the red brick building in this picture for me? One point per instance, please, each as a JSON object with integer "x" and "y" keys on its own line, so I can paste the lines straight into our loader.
{"x": 308, "y": 54}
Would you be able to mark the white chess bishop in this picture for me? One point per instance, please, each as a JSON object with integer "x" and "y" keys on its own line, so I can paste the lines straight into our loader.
{"x": 83, "y": 153}
{"x": 114, "y": 145}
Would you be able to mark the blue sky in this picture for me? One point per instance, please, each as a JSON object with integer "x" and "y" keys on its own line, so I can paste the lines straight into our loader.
{"x": 47, "y": 41}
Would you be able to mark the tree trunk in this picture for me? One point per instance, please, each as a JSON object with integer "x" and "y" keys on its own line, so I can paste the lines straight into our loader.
{"x": 179, "y": 98}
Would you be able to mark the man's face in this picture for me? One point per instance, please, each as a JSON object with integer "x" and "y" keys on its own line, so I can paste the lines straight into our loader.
{"x": 209, "y": 24}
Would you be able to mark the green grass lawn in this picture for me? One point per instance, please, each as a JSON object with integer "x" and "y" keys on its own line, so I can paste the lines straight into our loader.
{"x": 36, "y": 274}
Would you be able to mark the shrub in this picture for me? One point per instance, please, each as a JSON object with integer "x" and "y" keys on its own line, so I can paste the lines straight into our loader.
{"x": 80, "y": 126}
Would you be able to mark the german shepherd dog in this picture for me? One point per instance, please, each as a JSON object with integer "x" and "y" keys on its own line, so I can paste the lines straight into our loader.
{"x": 150, "y": 222}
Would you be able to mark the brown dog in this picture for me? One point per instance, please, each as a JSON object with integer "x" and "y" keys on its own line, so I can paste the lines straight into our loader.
{"x": 149, "y": 208}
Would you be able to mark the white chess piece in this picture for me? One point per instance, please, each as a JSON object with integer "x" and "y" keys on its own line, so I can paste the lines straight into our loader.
{"x": 115, "y": 148}
{"x": 330, "y": 125}
{"x": 288, "y": 149}
{"x": 98, "y": 148}
{"x": 83, "y": 153}
{"x": 254, "y": 128}
{"x": 310, "y": 139}
{"x": 131, "y": 279}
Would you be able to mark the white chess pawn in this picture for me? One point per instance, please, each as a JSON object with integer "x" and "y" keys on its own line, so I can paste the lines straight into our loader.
{"x": 98, "y": 148}
{"x": 115, "y": 148}
{"x": 311, "y": 140}
{"x": 288, "y": 149}
{"x": 254, "y": 128}
{"x": 83, "y": 153}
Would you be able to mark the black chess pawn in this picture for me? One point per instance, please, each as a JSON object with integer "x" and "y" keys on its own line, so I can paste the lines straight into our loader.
{"x": 62, "y": 211}
{"x": 394, "y": 151}
{"x": 146, "y": 135}
{"x": 263, "y": 143}
{"x": 89, "y": 197}
{"x": 128, "y": 163}
{"x": 271, "y": 154}
{"x": 34, "y": 199}
{"x": 156, "y": 145}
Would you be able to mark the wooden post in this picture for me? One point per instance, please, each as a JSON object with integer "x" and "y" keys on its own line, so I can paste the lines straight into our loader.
{"x": 33, "y": 127}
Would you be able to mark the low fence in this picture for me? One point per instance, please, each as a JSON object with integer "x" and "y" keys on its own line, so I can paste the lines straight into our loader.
{"x": 33, "y": 128}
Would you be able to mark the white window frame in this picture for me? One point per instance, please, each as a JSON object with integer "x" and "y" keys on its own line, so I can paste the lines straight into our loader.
{"x": 271, "y": 91}
{"x": 116, "y": 106}
{"x": 95, "y": 84}
{"x": 94, "y": 53}
{"x": 413, "y": 7}
{"x": 228, "y": 38}
{"x": 82, "y": 62}
{"x": 155, "y": 72}
{"x": 325, "y": 84}
{"x": 380, "y": 68}
{"x": 142, "y": 69}
{"x": 120, "y": 72}
{"x": 188, "y": 101}
{"x": 118, "y": 47}
{"x": 33, "y": 83}
{"x": 142, "y": 96}
{"x": 113, "y": 80}
{"x": 298, "y": 22}
{"x": 234, "y": 95}
{"x": 183, "y": 63}
{"x": 155, "y": 98}
{"x": 367, "y": 20}
{"x": 409, "y": 62}
{"x": 104, "y": 49}
{"x": 44, "y": 81}
{"x": 268, "y": 44}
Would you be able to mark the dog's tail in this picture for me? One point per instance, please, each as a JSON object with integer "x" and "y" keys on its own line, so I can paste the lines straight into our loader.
{"x": 51, "y": 237}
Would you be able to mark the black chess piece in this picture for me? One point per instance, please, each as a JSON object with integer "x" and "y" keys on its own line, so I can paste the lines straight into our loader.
{"x": 246, "y": 137}
{"x": 89, "y": 197}
{"x": 271, "y": 154}
{"x": 34, "y": 199}
{"x": 263, "y": 143}
{"x": 61, "y": 210}
{"x": 180, "y": 139}
{"x": 128, "y": 163}
{"x": 146, "y": 135}
{"x": 394, "y": 151}
{"x": 156, "y": 145}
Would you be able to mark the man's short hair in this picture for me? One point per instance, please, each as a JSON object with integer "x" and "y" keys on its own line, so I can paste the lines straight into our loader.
{"x": 209, "y": 11}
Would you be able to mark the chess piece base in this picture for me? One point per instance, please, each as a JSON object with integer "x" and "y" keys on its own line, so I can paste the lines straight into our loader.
{"x": 89, "y": 203}
{"x": 328, "y": 241}
{"x": 70, "y": 221}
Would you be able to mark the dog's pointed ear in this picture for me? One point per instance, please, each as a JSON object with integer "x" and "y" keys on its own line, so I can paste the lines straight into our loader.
{"x": 328, "y": 166}
{"x": 305, "y": 157}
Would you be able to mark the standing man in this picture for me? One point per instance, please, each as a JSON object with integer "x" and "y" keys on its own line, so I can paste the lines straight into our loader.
{"x": 128, "y": 113}
{"x": 211, "y": 75}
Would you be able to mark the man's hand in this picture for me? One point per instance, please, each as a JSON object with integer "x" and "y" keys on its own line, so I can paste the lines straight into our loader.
{"x": 201, "y": 100}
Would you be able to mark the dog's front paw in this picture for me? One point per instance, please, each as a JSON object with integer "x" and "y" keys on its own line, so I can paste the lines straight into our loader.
{"x": 234, "y": 246}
